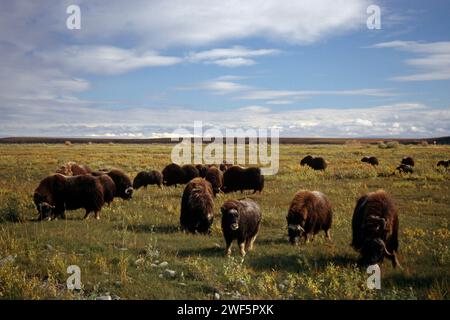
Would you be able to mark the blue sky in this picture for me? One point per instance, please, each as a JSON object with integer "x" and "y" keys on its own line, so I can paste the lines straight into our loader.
{"x": 146, "y": 68}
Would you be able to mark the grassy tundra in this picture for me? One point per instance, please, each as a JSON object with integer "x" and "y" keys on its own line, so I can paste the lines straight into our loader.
{"x": 120, "y": 254}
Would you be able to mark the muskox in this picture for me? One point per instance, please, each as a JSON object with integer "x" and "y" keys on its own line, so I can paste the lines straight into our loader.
{"x": 215, "y": 177}
{"x": 189, "y": 172}
{"x": 443, "y": 163}
{"x": 309, "y": 213}
{"x": 197, "y": 206}
{"x": 408, "y": 161}
{"x": 73, "y": 169}
{"x": 316, "y": 163}
{"x": 124, "y": 188}
{"x": 202, "y": 169}
{"x": 173, "y": 175}
{"x": 404, "y": 168}
{"x": 224, "y": 166}
{"x": 375, "y": 228}
{"x": 239, "y": 178}
{"x": 370, "y": 160}
{"x": 144, "y": 178}
{"x": 109, "y": 188}
{"x": 58, "y": 193}
{"x": 240, "y": 221}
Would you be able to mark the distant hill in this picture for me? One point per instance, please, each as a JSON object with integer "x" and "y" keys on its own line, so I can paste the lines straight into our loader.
{"x": 283, "y": 140}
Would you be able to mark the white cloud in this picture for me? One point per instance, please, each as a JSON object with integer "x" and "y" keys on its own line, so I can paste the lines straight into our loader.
{"x": 433, "y": 63}
{"x": 233, "y": 62}
{"x": 219, "y": 86}
{"x": 256, "y": 109}
{"x": 106, "y": 59}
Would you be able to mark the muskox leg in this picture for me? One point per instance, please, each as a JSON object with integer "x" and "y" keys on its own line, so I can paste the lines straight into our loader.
{"x": 250, "y": 241}
{"x": 394, "y": 260}
{"x": 86, "y": 216}
{"x": 228, "y": 249}
{"x": 242, "y": 248}
{"x": 328, "y": 234}
{"x": 97, "y": 215}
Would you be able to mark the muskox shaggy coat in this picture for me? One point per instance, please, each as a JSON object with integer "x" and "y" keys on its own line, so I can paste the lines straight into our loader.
{"x": 109, "y": 188}
{"x": 58, "y": 193}
{"x": 240, "y": 221}
{"x": 215, "y": 177}
{"x": 371, "y": 160}
{"x": 173, "y": 175}
{"x": 189, "y": 172}
{"x": 309, "y": 213}
{"x": 316, "y": 163}
{"x": 375, "y": 228}
{"x": 144, "y": 178}
{"x": 73, "y": 169}
{"x": 124, "y": 188}
{"x": 197, "y": 206}
{"x": 404, "y": 168}
{"x": 238, "y": 178}
{"x": 202, "y": 169}
{"x": 408, "y": 161}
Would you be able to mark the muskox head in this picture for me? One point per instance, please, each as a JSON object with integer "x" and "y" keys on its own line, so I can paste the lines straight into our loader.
{"x": 231, "y": 217}
{"x": 43, "y": 207}
{"x": 295, "y": 231}
{"x": 374, "y": 251}
{"x": 128, "y": 193}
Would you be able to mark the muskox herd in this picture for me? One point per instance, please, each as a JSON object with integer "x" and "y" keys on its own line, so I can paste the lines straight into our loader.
{"x": 374, "y": 224}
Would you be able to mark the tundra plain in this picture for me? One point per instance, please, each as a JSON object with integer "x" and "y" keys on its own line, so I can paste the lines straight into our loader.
{"x": 136, "y": 251}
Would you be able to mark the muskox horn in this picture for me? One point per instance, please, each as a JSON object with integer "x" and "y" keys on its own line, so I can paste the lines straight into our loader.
{"x": 386, "y": 251}
{"x": 296, "y": 227}
{"x": 128, "y": 190}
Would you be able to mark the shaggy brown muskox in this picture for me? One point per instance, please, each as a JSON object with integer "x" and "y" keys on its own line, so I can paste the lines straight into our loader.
{"x": 215, "y": 177}
{"x": 144, "y": 178}
{"x": 408, "y": 161}
{"x": 375, "y": 228}
{"x": 173, "y": 175}
{"x": 58, "y": 193}
{"x": 109, "y": 188}
{"x": 240, "y": 221}
{"x": 316, "y": 163}
{"x": 197, "y": 206}
{"x": 370, "y": 160}
{"x": 239, "y": 178}
{"x": 443, "y": 163}
{"x": 189, "y": 172}
{"x": 404, "y": 168}
{"x": 309, "y": 213}
{"x": 202, "y": 169}
{"x": 124, "y": 188}
{"x": 73, "y": 169}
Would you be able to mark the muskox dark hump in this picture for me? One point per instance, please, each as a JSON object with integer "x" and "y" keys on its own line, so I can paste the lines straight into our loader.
{"x": 238, "y": 178}
{"x": 202, "y": 169}
{"x": 173, "y": 175}
{"x": 197, "y": 206}
{"x": 316, "y": 163}
{"x": 144, "y": 178}
{"x": 190, "y": 172}
{"x": 306, "y": 160}
{"x": 409, "y": 161}
{"x": 443, "y": 163}
{"x": 371, "y": 160}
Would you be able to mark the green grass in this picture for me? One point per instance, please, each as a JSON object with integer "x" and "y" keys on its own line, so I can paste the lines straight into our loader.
{"x": 117, "y": 254}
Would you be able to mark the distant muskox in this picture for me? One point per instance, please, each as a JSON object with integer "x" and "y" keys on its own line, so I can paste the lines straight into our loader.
{"x": 371, "y": 160}
{"x": 58, "y": 193}
{"x": 197, "y": 206}
{"x": 309, "y": 213}
{"x": 172, "y": 175}
{"x": 145, "y": 178}
{"x": 239, "y": 178}
{"x": 316, "y": 163}
{"x": 215, "y": 177}
{"x": 73, "y": 169}
{"x": 443, "y": 163}
{"x": 124, "y": 188}
{"x": 404, "y": 168}
{"x": 240, "y": 221}
{"x": 224, "y": 166}
{"x": 408, "y": 161}
{"x": 375, "y": 228}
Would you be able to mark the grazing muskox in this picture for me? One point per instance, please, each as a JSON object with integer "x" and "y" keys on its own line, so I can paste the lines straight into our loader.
{"x": 239, "y": 178}
{"x": 408, "y": 161}
{"x": 58, "y": 193}
{"x": 197, "y": 206}
{"x": 404, "y": 168}
{"x": 316, "y": 163}
{"x": 144, "y": 178}
{"x": 370, "y": 160}
{"x": 375, "y": 228}
{"x": 173, "y": 175}
{"x": 124, "y": 188}
{"x": 309, "y": 213}
{"x": 443, "y": 163}
{"x": 73, "y": 169}
{"x": 215, "y": 177}
{"x": 240, "y": 221}
{"x": 189, "y": 172}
